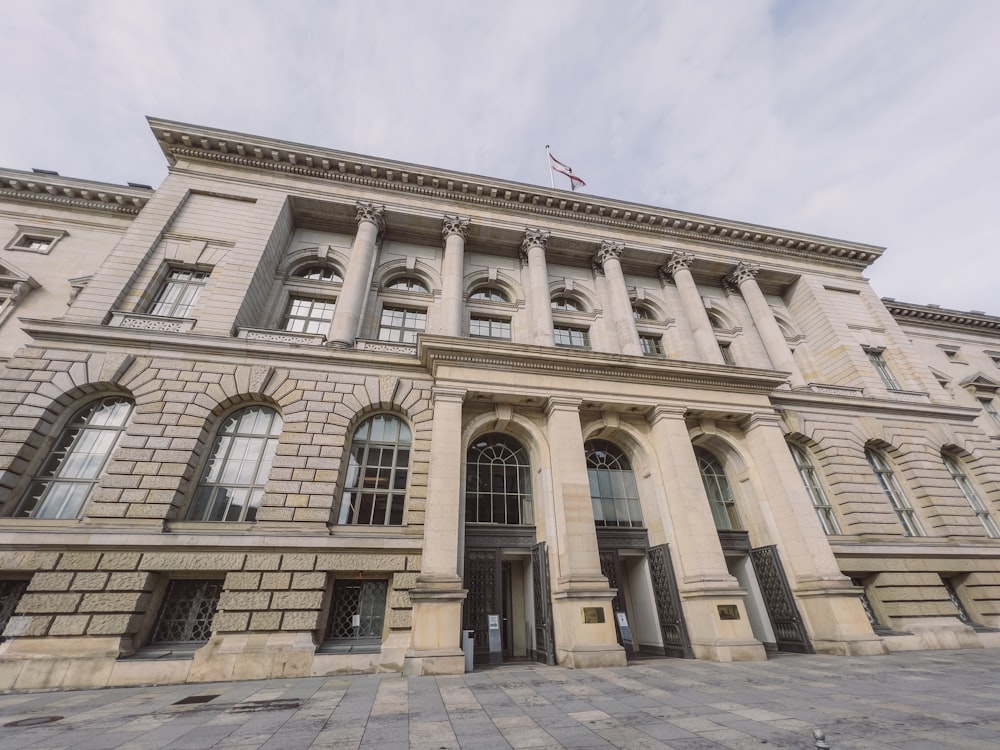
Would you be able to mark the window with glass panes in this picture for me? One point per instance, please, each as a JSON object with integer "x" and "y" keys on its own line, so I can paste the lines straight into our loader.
{"x": 187, "y": 612}
{"x": 991, "y": 408}
{"x": 574, "y": 338}
{"x": 179, "y": 293}
{"x": 75, "y": 463}
{"x": 726, "y": 350}
{"x": 489, "y": 293}
{"x": 969, "y": 490}
{"x": 307, "y": 315}
{"x": 232, "y": 484}
{"x": 720, "y": 494}
{"x": 613, "y": 490}
{"x": 497, "y": 481}
{"x": 894, "y": 493}
{"x": 357, "y": 612}
{"x": 563, "y": 303}
{"x": 319, "y": 273}
{"x": 877, "y": 359}
{"x": 481, "y": 326}
{"x": 377, "y": 471}
{"x": 652, "y": 346}
{"x": 815, "y": 489}
{"x": 401, "y": 324}
{"x": 407, "y": 284}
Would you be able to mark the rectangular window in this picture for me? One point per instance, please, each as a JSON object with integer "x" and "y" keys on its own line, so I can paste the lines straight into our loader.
{"x": 357, "y": 614}
{"x": 401, "y": 324}
{"x": 481, "y": 326}
{"x": 882, "y": 368}
{"x": 726, "y": 349}
{"x": 894, "y": 493}
{"x": 10, "y": 594}
{"x": 573, "y": 338}
{"x": 187, "y": 612}
{"x": 35, "y": 239}
{"x": 179, "y": 293}
{"x": 308, "y": 315}
{"x": 991, "y": 409}
{"x": 651, "y": 346}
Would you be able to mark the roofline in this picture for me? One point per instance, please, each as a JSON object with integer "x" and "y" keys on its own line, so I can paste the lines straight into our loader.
{"x": 177, "y": 139}
{"x": 54, "y": 189}
{"x": 932, "y": 315}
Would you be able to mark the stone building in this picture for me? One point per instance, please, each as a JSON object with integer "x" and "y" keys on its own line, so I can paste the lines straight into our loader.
{"x": 299, "y": 411}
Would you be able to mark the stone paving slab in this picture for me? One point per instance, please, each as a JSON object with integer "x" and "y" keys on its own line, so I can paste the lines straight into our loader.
{"x": 933, "y": 700}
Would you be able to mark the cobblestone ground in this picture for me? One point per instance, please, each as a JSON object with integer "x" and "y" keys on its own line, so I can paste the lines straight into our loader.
{"x": 922, "y": 701}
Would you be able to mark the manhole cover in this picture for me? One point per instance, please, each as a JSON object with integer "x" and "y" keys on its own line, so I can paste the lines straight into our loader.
{"x": 33, "y": 721}
{"x": 195, "y": 699}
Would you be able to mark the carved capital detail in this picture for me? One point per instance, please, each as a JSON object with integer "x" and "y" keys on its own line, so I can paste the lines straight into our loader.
{"x": 679, "y": 260}
{"x": 533, "y": 238}
{"x": 371, "y": 212}
{"x": 610, "y": 250}
{"x": 455, "y": 225}
{"x": 743, "y": 272}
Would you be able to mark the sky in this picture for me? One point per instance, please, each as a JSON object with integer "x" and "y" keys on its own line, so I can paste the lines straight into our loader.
{"x": 872, "y": 122}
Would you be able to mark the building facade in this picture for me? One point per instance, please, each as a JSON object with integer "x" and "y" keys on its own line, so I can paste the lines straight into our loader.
{"x": 299, "y": 412}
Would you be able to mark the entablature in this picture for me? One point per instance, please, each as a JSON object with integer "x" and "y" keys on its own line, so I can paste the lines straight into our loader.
{"x": 53, "y": 189}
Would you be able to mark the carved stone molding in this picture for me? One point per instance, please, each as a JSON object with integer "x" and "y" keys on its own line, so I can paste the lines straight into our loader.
{"x": 533, "y": 238}
{"x": 152, "y": 323}
{"x": 380, "y": 346}
{"x": 455, "y": 225}
{"x": 282, "y": 337}
{"x": 743, "y": 272}
{"x": 610, "y": 250}
{"x": 678, "y": 261}
{"x": 371, "y": 212}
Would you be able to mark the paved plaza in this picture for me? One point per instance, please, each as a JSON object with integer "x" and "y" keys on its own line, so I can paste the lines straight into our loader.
{"x": 917, "y": 701}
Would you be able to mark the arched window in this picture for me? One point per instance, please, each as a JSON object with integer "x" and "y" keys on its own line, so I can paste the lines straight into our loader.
{"x": 894, "y": 493}
{"x": 563, "y": 303}
{"x": 720, "y": 494}
{"x": 233, "y": 481}
{"x": 375, "y": 489}
{"x": 641, "y": 312}
{"x": 489, "y": 293}
{"x": 407, "y": 284}
{"x": 71, "y": 472}
{"x": 969, "y": 490}
{"x": 497, "y": 481}
{"x": 815, "y": 489}
{"x": 612, "y": 485}
{"x": 319, "y": 273}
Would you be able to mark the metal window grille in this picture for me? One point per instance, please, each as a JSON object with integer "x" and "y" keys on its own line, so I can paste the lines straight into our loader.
{"x": 651, "y": 346}
{"x": 483, "y": 327}
{"x": 375, "y": 490}
{"x": 10, "y": 594}
{"x": 187, "y": 612}
{"x": 965, "y": 484}
{"x": 307, "y": 315}
{"x": 963, "y": 613}
{"x": 357, "y": 611}
{"x": 179, "y": 293}
{"x": 75, "y": 464}
{"x": 573, "y": 338}
{"x": 866, "y": 604}
{"x": 613, "y": 490}
{"x": 401, "y": 324}
{"x": 815, "y": 489}
{"x": 497, "y": 481}
{"x": 233, "y": 482}
{"x": 882, "y": 368}
{"x": 720, "y": 494}
{"x": 894, "y": 493}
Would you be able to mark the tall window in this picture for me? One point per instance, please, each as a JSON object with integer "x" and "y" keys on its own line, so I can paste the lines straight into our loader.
{"x": 969, "y": 490}
{"x": 187, "y": 612}
{"x": 720, "y": 494}
{"x": 489, "y": 293}
{"x": 308, "y": 315}
{"x": 407, "y": 284}
{"x": 894, "y": 493}
{"x": 401, "y": 324}
{"x": 652, "y": 346}
{"x": 811, "y": 480}
{"x": 375, "y": 489}
{"x": 726, "y": 350}
{"x": 233, "y": 482}
{"x": 990, "y": 408}
{"x": 882, "y": 368}
{"x": 71, "y": 472}
{"x": 357, "y": 613}
{"x": 483, "y": 326}
{"x": 571, "y": 337}
{"x": 497, "y": 481}
{"x": 179, "y": 293}
{"x": 612, "y": 485}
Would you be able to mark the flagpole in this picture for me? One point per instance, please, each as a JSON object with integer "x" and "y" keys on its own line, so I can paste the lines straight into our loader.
{"x": 548, "y": 164}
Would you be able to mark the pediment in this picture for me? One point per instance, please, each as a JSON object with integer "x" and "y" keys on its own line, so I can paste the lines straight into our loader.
{"x": 14, "y": 282}
{"x": 978, "y": 383}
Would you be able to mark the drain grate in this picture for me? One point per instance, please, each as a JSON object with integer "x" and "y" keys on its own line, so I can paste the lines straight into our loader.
{"x": 34, "y": 721}
{"x": 195, "y": 699}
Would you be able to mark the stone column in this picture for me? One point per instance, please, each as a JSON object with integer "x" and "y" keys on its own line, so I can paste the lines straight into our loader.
{"x": 539, "y": 301}
{"x": 703, "y": 577}
{"x": 437, "y": 597}
{"x": 609, "y": 259}
{"x": 744, "y": 278}
{"x": 678, "y": 267}
{"x": 827, "y": 600}
{"x": 579, "y": 589}
{"x": 453, "y": 274}
{"x": 351, "y": 303}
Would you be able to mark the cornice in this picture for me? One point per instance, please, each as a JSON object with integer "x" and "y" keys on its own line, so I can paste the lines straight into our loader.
{"x": 180, "y": 140}
{"x": 803, "y": 400}
{"x": 435, "y": 351}
{"x": 937, "y": 317}
{"x": 67, "y": 192}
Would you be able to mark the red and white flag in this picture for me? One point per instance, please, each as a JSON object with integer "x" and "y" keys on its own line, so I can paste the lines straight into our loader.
{"x": 557, "y": 166}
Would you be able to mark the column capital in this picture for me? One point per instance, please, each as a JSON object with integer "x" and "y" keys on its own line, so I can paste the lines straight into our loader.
{"x": 743, "y": 272}
{"x": 562, "y": 403}
{"x": 443, "y": 394}
{"x": 370, "y": 212}
{"x": 533, "y": 238}
{"x": 661, "y": 412}
{"x": 753, "y": 421}
{"x": 679, "y": 260}
{"x": 455, "y": 225}
{"x": 610, "y": 250}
